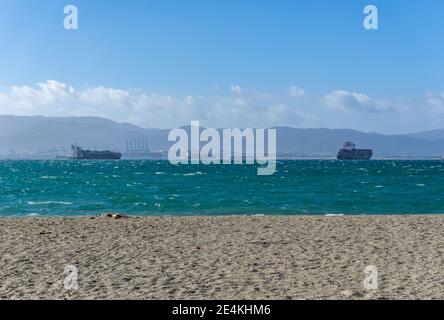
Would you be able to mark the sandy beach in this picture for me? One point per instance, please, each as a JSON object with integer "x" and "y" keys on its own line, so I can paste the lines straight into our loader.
{"x": 234, "y": 257}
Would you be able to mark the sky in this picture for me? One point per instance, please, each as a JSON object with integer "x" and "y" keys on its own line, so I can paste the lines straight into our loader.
{"x": 231, "y": 63}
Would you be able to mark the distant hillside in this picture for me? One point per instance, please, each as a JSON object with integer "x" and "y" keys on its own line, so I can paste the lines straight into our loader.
{"x": 429, "y": 135}
{"x": 34, "y": 133}
{"x": 30, "y": 134}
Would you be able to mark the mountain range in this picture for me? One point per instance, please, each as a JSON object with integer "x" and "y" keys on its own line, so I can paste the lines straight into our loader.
{"x": 36, "y": 133}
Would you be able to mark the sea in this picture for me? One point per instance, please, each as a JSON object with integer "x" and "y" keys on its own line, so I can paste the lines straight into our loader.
{"x": 158, "y": 188}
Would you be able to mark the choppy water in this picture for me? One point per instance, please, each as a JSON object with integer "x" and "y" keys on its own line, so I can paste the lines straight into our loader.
{"x": 159, "y": 188}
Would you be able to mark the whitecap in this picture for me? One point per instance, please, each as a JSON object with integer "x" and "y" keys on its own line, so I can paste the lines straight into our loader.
{"x": 49, "y": 202}
{"x": 193, "y": 174}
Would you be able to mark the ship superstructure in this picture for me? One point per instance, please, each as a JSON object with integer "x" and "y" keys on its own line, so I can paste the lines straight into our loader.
{"x": 349, "y": 152}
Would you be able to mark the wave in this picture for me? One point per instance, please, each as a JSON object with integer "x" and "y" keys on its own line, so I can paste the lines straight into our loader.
{"x": 36, "y": 203}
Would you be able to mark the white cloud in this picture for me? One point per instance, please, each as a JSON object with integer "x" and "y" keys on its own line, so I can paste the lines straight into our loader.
{"x": 296, "y": 92}
{"x": 348, "y": 101}
{"x": 435, "y": 101}
{"x": 240, "y": 108}
{"x": 235, "y": 89}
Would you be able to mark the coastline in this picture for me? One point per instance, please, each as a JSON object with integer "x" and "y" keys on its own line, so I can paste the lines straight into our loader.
{"x": 223, "y": 257}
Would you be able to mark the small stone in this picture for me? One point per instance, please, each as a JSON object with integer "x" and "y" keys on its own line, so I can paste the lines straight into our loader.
{"x": 107, "y": 215}
{"x": 347, "y": 293}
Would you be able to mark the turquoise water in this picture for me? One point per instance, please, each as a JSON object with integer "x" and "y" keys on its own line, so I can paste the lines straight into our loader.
{"x": 159, "y": 188}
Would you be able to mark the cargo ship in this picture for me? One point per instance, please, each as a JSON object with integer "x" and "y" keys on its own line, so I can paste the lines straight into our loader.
{"x": 78, "y": 153}
{"x": 349, "y": 152}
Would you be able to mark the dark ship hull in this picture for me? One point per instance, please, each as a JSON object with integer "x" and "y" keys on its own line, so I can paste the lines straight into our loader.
{"x": 98, "y": 155}
{"x": 80, "y": 154}
{"x": 356, "y": 154}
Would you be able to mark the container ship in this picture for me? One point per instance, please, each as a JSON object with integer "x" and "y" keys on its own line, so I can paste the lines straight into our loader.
{"x": 78, "y": 153}
{"x": 349, "y": 152}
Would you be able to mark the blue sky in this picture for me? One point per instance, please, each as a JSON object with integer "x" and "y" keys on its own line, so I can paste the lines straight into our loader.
{"x": 199, "y": 57}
